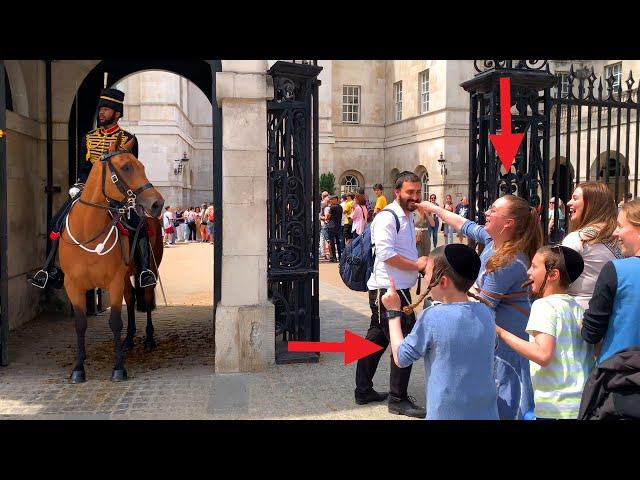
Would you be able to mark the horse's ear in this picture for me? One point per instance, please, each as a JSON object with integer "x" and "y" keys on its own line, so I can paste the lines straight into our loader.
{"x": 119, "y": 139}
{"x": 129, "y": 145}
{"x": 112, "y": 146}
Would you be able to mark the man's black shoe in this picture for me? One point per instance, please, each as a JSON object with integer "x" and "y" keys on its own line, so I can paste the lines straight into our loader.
{"x": 371, "y": 396}
{"x": 406, "y": 406}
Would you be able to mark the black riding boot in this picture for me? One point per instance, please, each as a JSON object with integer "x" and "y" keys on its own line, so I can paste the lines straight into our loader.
{"x": 146, "y": 277}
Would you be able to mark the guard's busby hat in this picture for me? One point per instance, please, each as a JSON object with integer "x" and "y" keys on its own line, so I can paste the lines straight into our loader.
{"x": 112, "y": 98}
{"x": 463, "y": 260}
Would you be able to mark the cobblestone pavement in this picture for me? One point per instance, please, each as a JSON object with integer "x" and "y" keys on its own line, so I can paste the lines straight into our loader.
{"x": 176, "y": 381}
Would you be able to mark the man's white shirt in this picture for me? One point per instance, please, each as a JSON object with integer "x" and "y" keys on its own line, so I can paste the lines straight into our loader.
{"x": 388, "y": 243}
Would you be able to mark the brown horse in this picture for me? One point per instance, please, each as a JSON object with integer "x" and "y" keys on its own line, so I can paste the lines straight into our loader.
{"x": 143, "y": 298}
{"x": 92, "y": 253}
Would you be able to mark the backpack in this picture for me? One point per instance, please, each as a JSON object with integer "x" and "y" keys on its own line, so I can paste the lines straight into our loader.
{"x": 358, "y": 258}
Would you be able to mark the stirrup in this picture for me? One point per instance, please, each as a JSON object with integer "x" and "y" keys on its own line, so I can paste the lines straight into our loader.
{"x": 146, "y": 285}
{"x": 46, "y": 279}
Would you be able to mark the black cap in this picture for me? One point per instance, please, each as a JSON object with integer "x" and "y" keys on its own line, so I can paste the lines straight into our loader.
{"x": 463, "y": 260}
{"x": 112, "y": 98}
{"x": 573, "y": 263}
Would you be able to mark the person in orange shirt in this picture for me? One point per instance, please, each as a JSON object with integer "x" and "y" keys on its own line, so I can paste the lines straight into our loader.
{"x": 381, "y": 200}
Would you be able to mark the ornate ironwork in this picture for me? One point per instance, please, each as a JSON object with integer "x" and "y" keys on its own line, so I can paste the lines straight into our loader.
{"x": 292, "y": 156}
{"x": 554, "y": 129}
{"x": 482, "y": 66}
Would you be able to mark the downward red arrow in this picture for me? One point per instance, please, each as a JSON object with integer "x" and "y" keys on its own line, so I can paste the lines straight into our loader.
{"x": 507, "y": 142}
{"x": 354, "y": 347}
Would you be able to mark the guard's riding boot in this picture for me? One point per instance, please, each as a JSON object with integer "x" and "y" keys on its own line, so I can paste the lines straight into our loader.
{"x": 146, "y": 277}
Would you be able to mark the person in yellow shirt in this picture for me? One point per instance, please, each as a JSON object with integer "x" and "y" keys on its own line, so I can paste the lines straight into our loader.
{"x": 346, "y": 218}
{"x": 381, "y": 200}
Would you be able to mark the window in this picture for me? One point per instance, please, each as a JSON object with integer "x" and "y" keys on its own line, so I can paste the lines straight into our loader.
{"x": 425, "y": 186}
{"x": 349, "y": 184}
{"x": 350, "y": 104}
{"x": 397, "y": 101}
{"x": 424, "y": 91}
{"x": 564, "y": 82}
{"x": 616, "y": 71}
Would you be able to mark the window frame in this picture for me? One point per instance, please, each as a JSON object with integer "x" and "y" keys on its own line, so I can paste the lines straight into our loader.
{"x": 610, "y": 70}
{"x": 423, "y": 94}
{"x": 425, "y": 185}
{"x": 355, "y": 112}
{"x": 397, "y": 101}
{"x": 344, "y": 188}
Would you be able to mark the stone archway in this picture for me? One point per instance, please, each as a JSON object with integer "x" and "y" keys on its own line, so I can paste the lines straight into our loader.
{"x": 559, "y": 179}
{"x": 201, "y": 73}
{"x": 244, "y": 316}
{"x": 612, "y": 168}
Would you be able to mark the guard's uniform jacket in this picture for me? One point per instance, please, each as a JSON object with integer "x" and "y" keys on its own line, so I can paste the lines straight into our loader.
{"x": 96, "y": 143}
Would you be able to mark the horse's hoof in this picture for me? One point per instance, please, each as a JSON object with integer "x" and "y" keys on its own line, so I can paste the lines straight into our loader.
{"x": 78, "y": 376}
{"x": 119, "y": 375}
{"x": 127, "y": 344}
{"x": 149, "y": 345}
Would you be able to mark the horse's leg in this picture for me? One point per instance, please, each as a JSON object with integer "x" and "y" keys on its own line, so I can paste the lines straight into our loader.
{"x": 116, "y": 293}
{"x": 78, "y": 300}
{"x": 130, "y": 299}
{"x": 149, "y": 342}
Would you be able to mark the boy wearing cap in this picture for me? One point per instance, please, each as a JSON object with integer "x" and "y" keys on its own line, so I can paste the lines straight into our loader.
{"x": 456, "y": 339}
{"x": 561, "y": 360}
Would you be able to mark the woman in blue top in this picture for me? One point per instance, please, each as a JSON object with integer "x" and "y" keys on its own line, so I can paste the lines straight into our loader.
{"x": 511, "y": 236}
{"x": 614, "y": 309}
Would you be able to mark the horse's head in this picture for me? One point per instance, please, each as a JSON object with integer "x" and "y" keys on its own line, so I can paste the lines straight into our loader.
{"x": 127, "y": 179}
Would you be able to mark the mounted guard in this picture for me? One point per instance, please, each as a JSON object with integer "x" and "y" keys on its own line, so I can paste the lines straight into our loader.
{"x": 93, "y": 147}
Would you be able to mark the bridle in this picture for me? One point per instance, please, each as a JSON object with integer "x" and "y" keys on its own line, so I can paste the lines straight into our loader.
{"x": 116, "y": 208}
{"x": 129, "y": 200}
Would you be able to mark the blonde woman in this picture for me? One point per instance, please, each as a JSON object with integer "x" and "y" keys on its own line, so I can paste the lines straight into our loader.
{"x": 511, "y": 236}
{"x": 593, "y": 219}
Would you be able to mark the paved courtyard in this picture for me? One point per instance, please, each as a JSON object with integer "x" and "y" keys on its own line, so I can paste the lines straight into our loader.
{"x": 176, "y": 381}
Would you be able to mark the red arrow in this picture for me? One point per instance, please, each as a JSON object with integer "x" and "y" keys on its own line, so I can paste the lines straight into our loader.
{"x": 507, "y": 142}
{"x": 354, "y": 347}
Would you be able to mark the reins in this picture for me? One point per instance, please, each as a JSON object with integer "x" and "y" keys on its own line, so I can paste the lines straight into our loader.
{"x": 116, "y": 211}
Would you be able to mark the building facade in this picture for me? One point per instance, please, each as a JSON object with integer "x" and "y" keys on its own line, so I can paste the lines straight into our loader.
{"x": 381, "y": 117}
{"x": 171, "y": 117}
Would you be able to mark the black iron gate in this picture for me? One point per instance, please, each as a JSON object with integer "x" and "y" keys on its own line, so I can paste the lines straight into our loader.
{"x": 292, "y": 128}
{"x": 4, "y": 282}
{"x": 568, "y": 123}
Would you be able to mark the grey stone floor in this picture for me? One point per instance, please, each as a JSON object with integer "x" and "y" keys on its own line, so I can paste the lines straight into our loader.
{"x": 176, "y": 381}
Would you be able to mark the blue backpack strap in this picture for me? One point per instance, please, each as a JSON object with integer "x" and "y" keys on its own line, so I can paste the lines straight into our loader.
{"x": 395, "y": 215}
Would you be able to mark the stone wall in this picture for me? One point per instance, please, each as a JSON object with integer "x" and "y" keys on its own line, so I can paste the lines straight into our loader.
{"x": 245, "y": 326}
{"x": 171, "y": 116}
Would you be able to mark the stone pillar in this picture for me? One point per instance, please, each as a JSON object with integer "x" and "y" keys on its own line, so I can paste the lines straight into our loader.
{"x": 245, "y": 318}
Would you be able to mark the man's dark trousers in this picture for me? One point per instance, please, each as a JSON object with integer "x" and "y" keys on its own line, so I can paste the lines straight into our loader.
{"x": 379, "y": 334}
